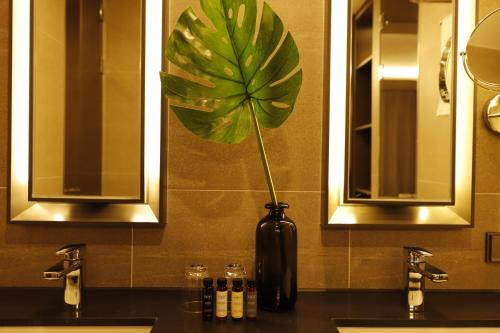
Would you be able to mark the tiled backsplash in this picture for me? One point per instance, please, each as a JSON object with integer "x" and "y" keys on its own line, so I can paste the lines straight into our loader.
{"x": 215, "y": 196}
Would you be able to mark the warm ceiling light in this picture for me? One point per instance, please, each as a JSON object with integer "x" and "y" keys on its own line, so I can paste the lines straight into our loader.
{"x": 398, "y": 72}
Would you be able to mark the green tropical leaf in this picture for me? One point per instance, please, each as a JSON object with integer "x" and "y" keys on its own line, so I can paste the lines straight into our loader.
{"x": 236, "y": 74}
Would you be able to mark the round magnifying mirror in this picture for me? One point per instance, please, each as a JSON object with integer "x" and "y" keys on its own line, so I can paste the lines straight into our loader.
{"x": 482, "y": 56}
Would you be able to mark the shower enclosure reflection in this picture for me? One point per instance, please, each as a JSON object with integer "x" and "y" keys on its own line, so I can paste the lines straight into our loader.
{"x": 86, "y": 100}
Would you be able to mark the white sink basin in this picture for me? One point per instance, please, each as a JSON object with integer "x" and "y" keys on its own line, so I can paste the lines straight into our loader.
{"x": 419, "y": 329}
{"x": 75, "y": 329}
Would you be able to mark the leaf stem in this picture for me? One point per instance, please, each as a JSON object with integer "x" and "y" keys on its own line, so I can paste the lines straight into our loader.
{"x": 263, "y": 157}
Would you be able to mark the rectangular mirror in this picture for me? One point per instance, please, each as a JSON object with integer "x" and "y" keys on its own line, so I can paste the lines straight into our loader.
{"x": 401, "y": 113}
{"x": 401, "y": 119}
{"x": 86, "y": 102}
{"x": 86, "y": 111}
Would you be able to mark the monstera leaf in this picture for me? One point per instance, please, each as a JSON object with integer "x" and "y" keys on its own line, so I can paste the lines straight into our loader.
{"x": 239, "y": 76}
{"x": 234, "y": 76}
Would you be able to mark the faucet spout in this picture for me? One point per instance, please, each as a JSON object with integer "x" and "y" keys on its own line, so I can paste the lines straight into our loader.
{"x": 59, "y": 271}
{"x": 431, "y": 272}
{"x": 71, "y": 271}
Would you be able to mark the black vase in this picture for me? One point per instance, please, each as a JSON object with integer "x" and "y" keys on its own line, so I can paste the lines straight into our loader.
{"x": 276, "y": 260}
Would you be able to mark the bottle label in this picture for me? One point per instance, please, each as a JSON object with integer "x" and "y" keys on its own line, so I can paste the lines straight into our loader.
{"x": 207, "y": 303}
{"x": 251, "y": 304}
{"x": 237, "y": 304}
{"x": 221, "y": 304}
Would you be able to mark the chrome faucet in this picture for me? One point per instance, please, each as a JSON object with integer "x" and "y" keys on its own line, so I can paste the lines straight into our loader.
{"x": 71, "y": 270}
{"x": 415, "y": 272}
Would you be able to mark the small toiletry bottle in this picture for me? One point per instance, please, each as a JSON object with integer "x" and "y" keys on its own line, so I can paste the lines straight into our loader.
{"x": 221, "y": 299}
{"x": 233, "y": 271}
{"x": 208, "y": 299}
{"x": 251, "y": 300}
{"x": 237, "y": 300}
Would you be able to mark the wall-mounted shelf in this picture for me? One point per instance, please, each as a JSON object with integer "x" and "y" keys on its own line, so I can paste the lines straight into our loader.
{"x": 364, "y": 62}
{"x": 362, "y": 193}
{"x": 363, "y": 127}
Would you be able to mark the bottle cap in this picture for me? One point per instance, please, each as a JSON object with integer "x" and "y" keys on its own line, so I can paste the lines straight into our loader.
{"x": 221, "y": 281}
{"x": 208, "y": 282}
{"x": 250, "y": 283}
{"x": 237, "y": 283}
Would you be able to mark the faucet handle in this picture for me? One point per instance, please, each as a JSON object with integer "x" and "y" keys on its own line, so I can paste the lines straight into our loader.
{"x": 72, "y": 251}
{"x": 416, "y": 254}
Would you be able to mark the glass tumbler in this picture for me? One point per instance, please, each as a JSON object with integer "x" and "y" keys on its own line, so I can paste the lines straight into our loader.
{"x": 234, "y": 271}
{"x": 195, "y": 273}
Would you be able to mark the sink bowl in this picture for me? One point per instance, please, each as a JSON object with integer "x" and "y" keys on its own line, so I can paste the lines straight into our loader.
{"x": 419, "y": 329}
{"x": 75, "y": 329}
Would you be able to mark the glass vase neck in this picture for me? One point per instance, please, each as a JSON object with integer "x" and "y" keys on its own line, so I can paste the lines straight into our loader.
{"x": 277, "y": 211}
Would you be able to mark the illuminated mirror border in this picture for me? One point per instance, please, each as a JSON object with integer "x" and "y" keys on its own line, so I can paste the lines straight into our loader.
{"x": 341, "y": 214}
{"x": 22, "y": 210}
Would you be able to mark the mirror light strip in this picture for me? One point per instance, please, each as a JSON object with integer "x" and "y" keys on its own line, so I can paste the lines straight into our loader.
{"x": 20, "y": 89}
{"x": 152, "y": 89}
{"x": 337, "y": 106}
{"x": 464, "y": 102}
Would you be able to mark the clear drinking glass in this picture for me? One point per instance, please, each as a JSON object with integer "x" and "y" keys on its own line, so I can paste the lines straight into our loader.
{"x": 234, "y": 271}
{"x": 195, "y": 273}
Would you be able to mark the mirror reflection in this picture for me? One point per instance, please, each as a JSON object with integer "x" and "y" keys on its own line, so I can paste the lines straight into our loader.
{"x": 86, "y": 103}
{"x": 483, "y": 52}
{"x": 401, "y": 114}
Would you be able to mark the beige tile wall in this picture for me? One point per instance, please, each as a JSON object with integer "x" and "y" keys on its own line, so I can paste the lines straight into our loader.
{"x": 215, "y": 197}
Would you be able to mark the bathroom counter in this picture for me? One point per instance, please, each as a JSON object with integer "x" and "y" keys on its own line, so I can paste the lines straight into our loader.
{"x": 315, "y": 311}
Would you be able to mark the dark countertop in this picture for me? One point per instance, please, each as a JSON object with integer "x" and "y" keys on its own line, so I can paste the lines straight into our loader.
{"x": 315, "y": 311}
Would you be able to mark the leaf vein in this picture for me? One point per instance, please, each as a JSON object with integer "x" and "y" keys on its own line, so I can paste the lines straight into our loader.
{"x": 270, "y": 98}
{"x": 271, "y": 79}
{"x": 234, "y": 49}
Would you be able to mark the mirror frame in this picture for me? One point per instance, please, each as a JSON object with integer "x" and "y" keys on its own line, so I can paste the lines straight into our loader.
{"x": 20, "y": 209}
{"x": 341, "y": 214}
